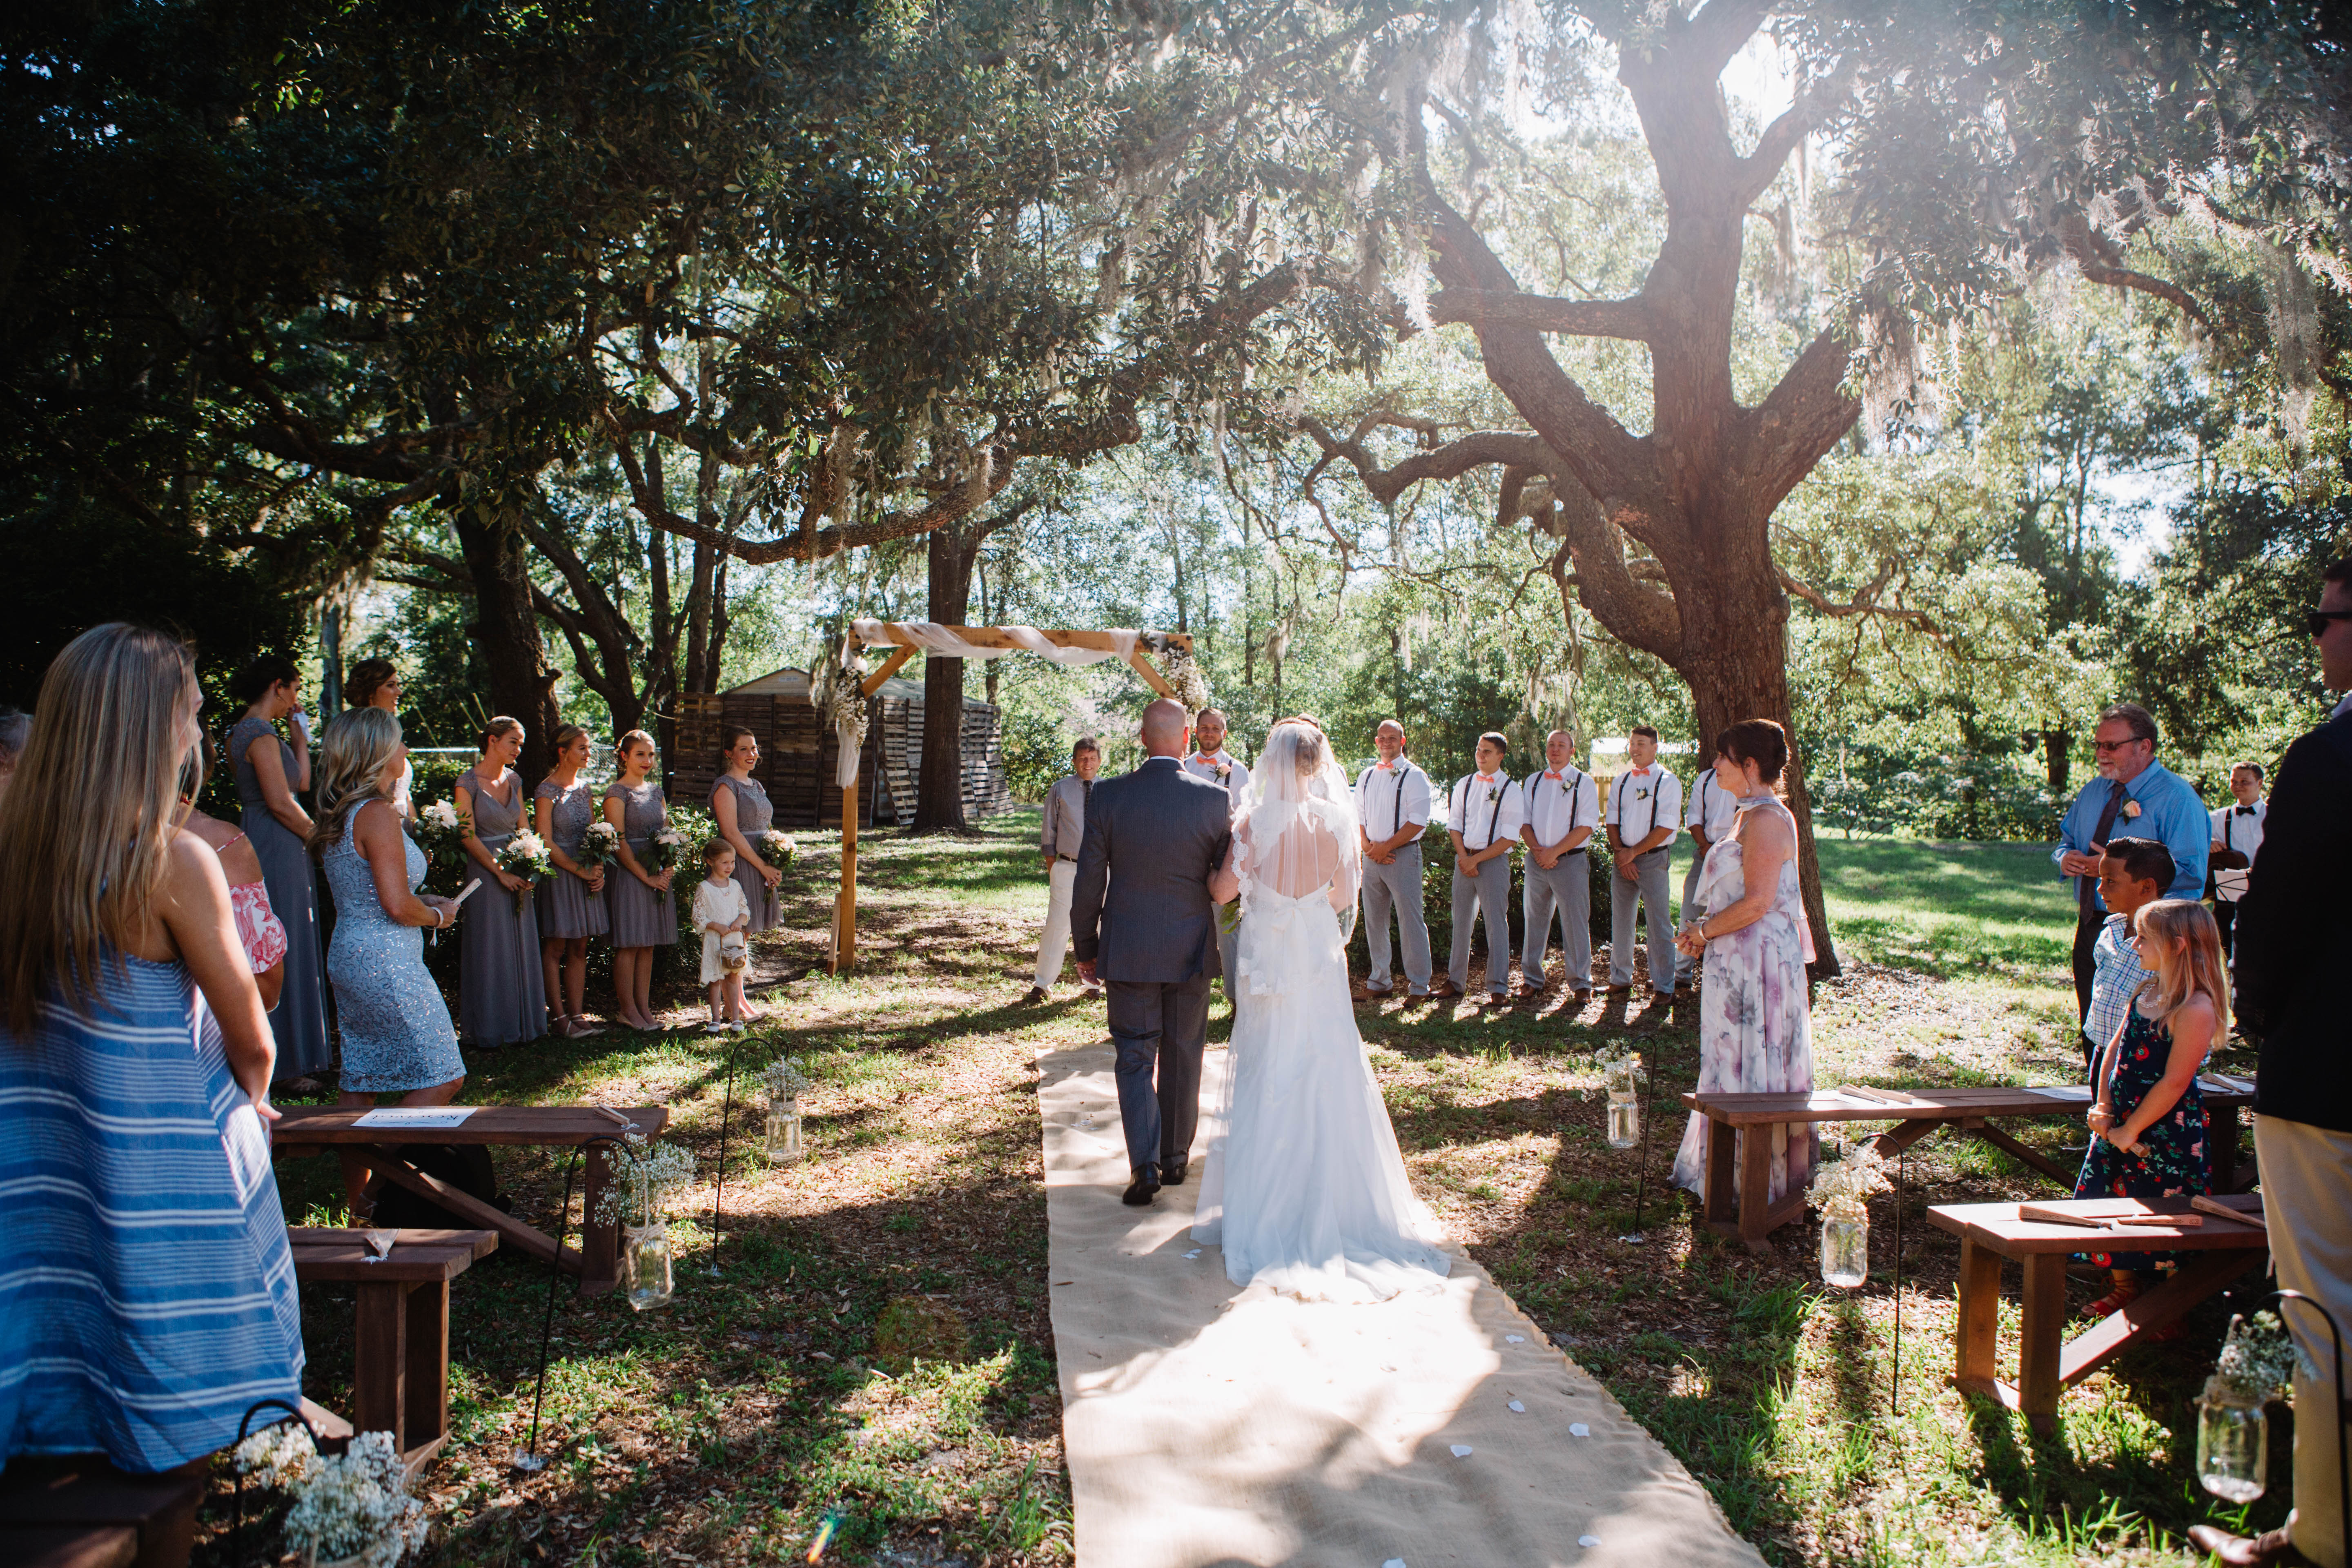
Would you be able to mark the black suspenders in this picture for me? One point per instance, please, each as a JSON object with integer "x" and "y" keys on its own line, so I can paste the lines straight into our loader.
{"x": 1621, "y": 805}
{"x": 1396, "y": 817}
{"x": 1492, "y": 821}
{"x": 1567, "y": 788}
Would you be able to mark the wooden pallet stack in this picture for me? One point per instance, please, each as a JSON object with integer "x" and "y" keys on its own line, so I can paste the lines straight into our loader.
{"x": 796, "y": 755}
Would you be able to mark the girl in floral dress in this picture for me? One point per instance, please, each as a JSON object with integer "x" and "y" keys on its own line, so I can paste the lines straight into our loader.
{"x": 1755, "y": 1032}
{"x": 2148, "y": 1118}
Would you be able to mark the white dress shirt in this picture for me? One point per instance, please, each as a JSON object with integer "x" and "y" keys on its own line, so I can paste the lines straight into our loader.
{"x": 1388, "y": 796}
{"x": 1236, "y": 779}
{"x": 1483, "y": 809}
{"x": 1556, "y": 803}
{"x": 2242, "y": 833}
{"x": 1712, "y": 809}
{"x": 1642, "y": 800}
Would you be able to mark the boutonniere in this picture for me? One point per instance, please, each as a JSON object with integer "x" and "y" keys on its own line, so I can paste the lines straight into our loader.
{"x": 1224, "y": 770}
{"x": 1642, "y": 793}
{"x": 2131, "y": 809}
{"x": 1493, "y": 793}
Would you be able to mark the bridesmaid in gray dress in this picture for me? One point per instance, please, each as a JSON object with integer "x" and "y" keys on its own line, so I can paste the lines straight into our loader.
{"x": 637, "y": 902}
{"x": 741, "y": 804}
{"x": 269, "y": 773}
{"x": 396, "y": 1034}
{"x": 571, "y": 896}
{"x": 500, "y": 997}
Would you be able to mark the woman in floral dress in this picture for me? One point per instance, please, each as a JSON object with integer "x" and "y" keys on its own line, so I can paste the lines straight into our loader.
{"x": 2147, "y": 1121}
{"x": 1755, "y": 1034}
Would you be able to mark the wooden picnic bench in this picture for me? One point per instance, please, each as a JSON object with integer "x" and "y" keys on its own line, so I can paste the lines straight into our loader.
{"x": 596, "y": 1262}
{"x": 79, "y": 1511}
{"x": 1739, "y": 1170}
{"x": 2048, "y": 1362}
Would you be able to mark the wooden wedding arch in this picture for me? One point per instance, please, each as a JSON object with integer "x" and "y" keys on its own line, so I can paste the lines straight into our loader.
{"x": 904, "y": 644}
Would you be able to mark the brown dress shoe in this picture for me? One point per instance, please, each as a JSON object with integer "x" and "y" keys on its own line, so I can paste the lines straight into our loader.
{"x": 1036, "y": 994}
{"x": 2271, "y": 1546}
{"x": 1445, "y": 988}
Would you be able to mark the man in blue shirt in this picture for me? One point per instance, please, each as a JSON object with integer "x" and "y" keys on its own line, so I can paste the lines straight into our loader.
{"x": 2137, "y": 796}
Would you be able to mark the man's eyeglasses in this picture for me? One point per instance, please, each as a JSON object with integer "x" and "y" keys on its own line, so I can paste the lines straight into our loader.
{"x": 2116, "y": 745}
{"x": 2316, "y": 622}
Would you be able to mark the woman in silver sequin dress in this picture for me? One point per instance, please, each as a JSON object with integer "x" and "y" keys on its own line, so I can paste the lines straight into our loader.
{"x": 638, "y": 901}
{"x": 500, "y": 998}
{"x": 396, "y": 1034}
{"x": 571, "y": 896}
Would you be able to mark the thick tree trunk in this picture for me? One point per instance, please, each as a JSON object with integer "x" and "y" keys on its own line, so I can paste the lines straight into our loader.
{"x": 938, "y": 791}
{"x": 505, "y": 630}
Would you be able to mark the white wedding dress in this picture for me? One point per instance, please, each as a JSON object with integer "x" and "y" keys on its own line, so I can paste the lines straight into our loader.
{"x": 1306, "y": 1189}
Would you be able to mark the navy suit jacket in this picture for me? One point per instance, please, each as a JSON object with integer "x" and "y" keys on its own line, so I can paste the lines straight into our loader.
{"x": 1140, "y": 908}
{"x": 2294, "y": 936}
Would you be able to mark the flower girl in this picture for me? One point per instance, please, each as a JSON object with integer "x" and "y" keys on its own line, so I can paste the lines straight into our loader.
{"x": 721, "y": 913}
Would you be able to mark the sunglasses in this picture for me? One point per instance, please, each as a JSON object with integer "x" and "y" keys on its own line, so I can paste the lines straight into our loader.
{"x": 2316, "y": 622}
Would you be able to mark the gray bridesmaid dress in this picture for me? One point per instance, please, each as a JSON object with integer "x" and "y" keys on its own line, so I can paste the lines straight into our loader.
{"x": 501, "y": 996}
{"x": 566, "y": 908}
{"x": 299, "y": 1020}
{"x": 753, "y": 815}
{"x": 640, "y": 917}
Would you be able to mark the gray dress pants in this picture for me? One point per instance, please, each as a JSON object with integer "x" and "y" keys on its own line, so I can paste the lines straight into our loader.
{"x": 1163, "y": 1027}
{"x": 1397, "y": 886}
{"x": 1487, "y": 893}
{"x": 1685, "y": 966}
{"x": 1655, "y": 873}
{"x": 1566, "y": 892}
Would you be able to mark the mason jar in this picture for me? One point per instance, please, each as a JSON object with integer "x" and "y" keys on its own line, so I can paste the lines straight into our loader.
{"x": 1845, "y": 1251}
{"x": 2234, "y": 1442}
{"x": 646, "y": 1265}
{"x": 784, "y": 1133}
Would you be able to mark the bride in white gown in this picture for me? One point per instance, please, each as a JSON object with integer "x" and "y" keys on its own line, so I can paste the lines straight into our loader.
{"x": 1306, "y": 1191}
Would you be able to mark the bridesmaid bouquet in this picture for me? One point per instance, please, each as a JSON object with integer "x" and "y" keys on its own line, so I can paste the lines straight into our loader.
{"x": 440, "y": 829}
{"x": 661, "y": 848}
{"x": 776, "y": 848}
{"x": 599, "y": 847}
{"x": 525, "y": 855}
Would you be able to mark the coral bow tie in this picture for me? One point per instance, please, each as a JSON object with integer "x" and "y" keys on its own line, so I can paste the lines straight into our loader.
{"x": 1549, "y": 775}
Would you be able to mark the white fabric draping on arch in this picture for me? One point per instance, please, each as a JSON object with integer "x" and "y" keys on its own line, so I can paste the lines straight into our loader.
{"x": 934, "y": 638}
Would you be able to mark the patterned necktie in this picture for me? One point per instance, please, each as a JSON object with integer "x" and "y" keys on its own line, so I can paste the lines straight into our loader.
{"x": 1086, "y": 792}
{"x": 2087, "y": 888}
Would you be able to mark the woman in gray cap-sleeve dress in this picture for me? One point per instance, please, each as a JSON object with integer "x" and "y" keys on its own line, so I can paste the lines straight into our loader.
{"x": 638, "y": 903}
{"x": 571, "y": 897}
{"x": 500, "y": 997}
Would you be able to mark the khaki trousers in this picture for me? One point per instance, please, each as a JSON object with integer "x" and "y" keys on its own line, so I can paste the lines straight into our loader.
{"x": 1056, "y": 940}
{"x": 2307, "y": 1198}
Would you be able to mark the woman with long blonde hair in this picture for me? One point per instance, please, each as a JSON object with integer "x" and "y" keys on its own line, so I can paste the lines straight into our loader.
{"x": 398, "y": 1038}
{"x": 135, "y": 1062}
{"x": 2148, "y": 1137}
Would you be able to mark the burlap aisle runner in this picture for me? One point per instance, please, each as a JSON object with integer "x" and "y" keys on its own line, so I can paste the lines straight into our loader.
{"x": 1206, "y": 1424}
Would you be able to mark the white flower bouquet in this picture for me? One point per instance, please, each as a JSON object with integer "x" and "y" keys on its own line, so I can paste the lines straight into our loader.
{"x": 440, "y": 832}
{"x": 525, "y": 855}
{"x": 662, "y": 847}
{"x": 1842, "y": 1188}
{"x": 352, "y": 1507}
{"x": 776, "y": 848}
{"x": 599, "y": 847}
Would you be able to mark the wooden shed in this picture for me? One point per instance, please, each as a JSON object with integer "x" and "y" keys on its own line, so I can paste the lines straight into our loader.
{"x": 797, "y": 753}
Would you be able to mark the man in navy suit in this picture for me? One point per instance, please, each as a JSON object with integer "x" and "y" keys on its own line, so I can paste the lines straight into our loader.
{"x": 1141, "y": 918}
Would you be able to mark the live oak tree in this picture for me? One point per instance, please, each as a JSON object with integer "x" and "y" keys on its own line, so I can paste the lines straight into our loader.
{"x": 1966, "y": 148}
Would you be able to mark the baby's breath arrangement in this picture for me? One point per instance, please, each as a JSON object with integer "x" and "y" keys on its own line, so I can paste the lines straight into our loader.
{"x": 1616, "y": 1059}
{"x": 348, "y": 1507}
{"x": 1842, "y": 1189}
{"x": 653, "y": 1173}
{"x": 2257, "y": 1357}
{"x": 785, "y": 1080}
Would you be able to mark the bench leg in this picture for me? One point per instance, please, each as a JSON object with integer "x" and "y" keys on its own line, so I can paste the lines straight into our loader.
{"x": 1722, "y": 1202}
{"x": 1756, "y": 1187}
{"x": 2045, "y": 1334}
{"x": 379, "y": 1362}
{"x": 600, "y": 1244}
{"x": 1976, "y": 1337}
{"x": 427, "y": 1391}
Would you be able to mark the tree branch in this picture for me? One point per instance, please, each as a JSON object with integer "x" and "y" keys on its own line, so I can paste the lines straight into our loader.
{"x": 1805, "y": 414}
{"x": 1450, "y": 461}
{"x": 1863, "y": 603}
{"x": 2098, "y": 258}
{"x": 1630, "y": 319}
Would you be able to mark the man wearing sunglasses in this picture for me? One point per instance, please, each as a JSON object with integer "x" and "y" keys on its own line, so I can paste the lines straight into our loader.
{"x": 2136, "y": 796}
{"x": 2294, "y": 949}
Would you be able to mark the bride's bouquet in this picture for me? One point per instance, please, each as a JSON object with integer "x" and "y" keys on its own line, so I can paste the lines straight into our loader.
{"x": 525, "y": 855}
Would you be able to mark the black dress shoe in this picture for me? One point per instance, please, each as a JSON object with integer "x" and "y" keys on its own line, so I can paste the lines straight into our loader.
{"x": 1171, "y": 1173}
{"x": 1141, "y": 1192}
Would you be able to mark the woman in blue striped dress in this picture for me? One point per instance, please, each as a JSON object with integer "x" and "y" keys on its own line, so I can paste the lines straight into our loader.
{"x": 147, "y": 1293}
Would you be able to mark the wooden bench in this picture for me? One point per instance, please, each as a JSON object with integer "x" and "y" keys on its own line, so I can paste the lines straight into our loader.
{"x": 2047, "y": 1362}
{"x": 79, "y": 1511}
{"x": 1736, "y": 1201}
{"x": 596, "y": 1262}
{"x": 400, "y": 1359}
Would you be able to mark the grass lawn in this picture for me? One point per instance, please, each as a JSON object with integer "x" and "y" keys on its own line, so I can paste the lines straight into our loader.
{"x": 727, "y": 1428}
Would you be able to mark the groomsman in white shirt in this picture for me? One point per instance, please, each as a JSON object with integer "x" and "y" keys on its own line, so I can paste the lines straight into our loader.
{"x": 1211, "y": 760}
{"x": 2237, "y": 834}
{"x": 1709, "y": 817}
{"x": 1646, "y": 801}
{"x": 1482, "y": 817}
{"x": 1392, "y": 810}
{"x": 1558, "y": 808}
{"x": 1059, "y": 840}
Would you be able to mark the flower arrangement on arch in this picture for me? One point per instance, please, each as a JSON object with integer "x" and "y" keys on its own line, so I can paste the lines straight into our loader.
{"x": 525, "y": 855}
{"x": 352, "y": 1507}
